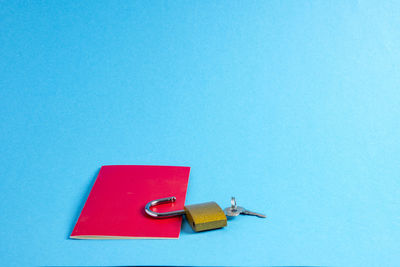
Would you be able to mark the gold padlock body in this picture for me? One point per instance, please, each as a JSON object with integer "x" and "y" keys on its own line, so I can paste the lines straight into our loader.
{"x": 205, "y": 216}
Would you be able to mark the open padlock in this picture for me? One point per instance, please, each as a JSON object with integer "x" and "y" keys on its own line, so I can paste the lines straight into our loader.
{"x": 201, "y": 217}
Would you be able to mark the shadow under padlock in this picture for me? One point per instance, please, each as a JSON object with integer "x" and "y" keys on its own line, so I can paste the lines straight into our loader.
{"x": 203, "y": 216}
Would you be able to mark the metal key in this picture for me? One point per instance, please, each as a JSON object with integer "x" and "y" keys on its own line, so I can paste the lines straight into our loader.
{"x": 235, "y": 210}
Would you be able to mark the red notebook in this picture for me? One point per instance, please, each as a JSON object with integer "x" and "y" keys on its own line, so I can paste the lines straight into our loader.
{"x": 115, "y": 206}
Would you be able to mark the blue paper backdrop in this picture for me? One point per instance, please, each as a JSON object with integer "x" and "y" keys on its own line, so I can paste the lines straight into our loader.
{"x": 291, "y": 106}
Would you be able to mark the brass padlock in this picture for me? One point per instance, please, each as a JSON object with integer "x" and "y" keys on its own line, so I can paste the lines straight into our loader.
{"x": 201, "y": 217}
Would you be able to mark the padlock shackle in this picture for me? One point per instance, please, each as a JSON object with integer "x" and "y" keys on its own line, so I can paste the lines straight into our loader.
{"x": 162, "y": 215}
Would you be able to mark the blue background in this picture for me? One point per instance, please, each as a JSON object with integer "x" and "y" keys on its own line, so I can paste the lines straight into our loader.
{"x": 291, "y": 106}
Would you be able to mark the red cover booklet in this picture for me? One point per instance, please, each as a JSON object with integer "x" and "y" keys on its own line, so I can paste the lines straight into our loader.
{"x": 115, "y": 206}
